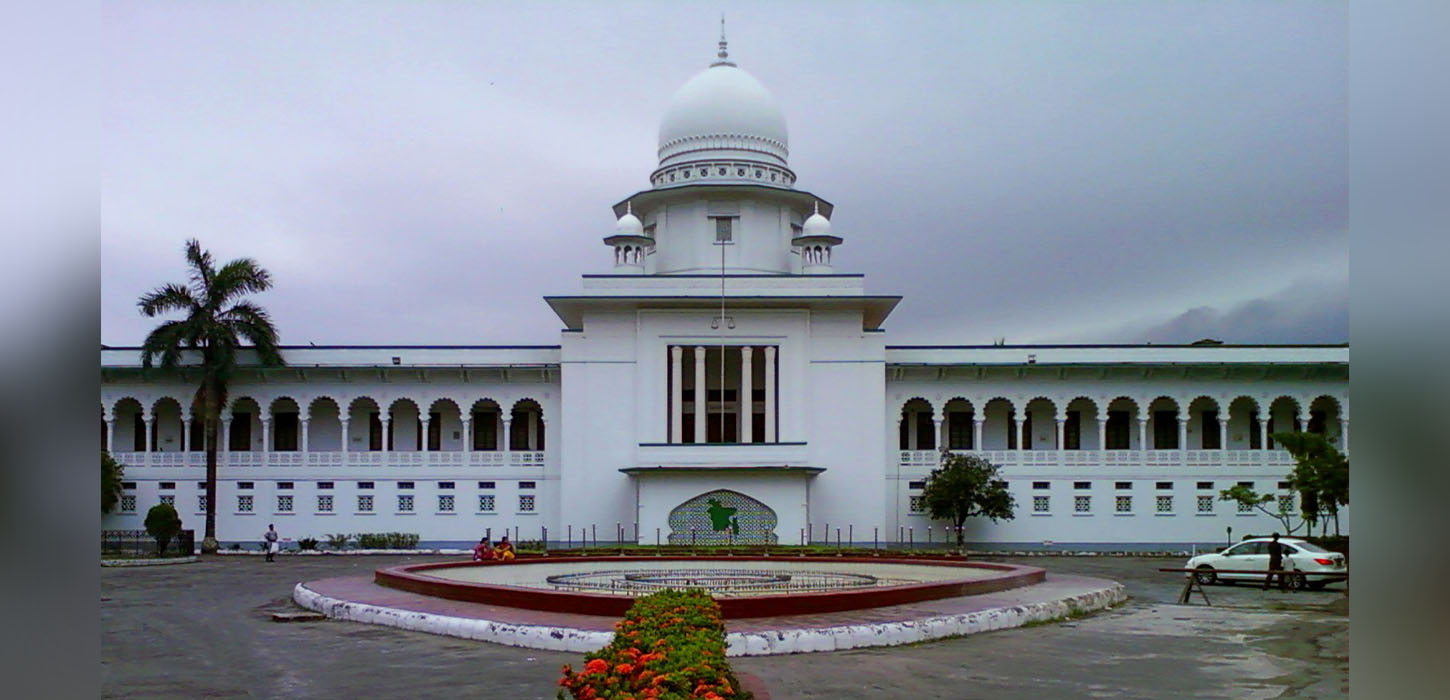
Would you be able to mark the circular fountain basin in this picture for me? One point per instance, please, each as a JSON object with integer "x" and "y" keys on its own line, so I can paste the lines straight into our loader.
{"x": 745, "y": 586}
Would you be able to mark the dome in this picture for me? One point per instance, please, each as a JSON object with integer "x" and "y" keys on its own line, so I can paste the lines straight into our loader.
{"x": 723, "y": 100}
{"x": 629, "y": 225}
{"x": 816, "y": 225}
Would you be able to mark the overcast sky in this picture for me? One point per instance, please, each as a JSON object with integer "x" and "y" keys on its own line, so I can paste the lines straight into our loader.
{"x": 422, "y": 173}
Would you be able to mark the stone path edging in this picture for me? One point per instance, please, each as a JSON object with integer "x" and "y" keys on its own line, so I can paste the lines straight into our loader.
{"x": 788, "y": 641}
{"x": 149, "y": 562}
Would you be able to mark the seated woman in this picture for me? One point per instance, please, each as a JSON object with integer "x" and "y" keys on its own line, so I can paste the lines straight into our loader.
{"x": 505, "y": 549}
{"x": 484, "y": 551}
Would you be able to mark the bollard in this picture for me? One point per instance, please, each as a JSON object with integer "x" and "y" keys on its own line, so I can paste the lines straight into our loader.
{"x": 875, "y": 537}
{"x": 928, "y": 536}
{"x": 516, "y": 533}
{"x": 911, "y": 536}
{"x": 594, "y": 534}
{"x": 657, "y": 537}
{"x": 544, "y": 538}
{"x": 570, "y": 545}
{"x": 809, "y": 535}
{"x": 838, "y": 540}
{"x": 803, "y": 537}
{"x": 851, "y": 534}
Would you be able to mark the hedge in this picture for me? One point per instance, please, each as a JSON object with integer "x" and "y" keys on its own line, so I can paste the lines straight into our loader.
{"x": 669, "y": 646}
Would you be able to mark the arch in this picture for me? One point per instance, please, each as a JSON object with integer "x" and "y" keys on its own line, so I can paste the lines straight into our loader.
{"x": 1121, "y": 426}
{"x": 917, "y": 429}
{"x": 1163, "y": 416}
{"x": 404, "y": 428}
{"x": 324, "y": 424}
{"x": 285, "y": 430}
{"x": 999, "y": 424}
{"x": 364, "y": 424}
{"x": 244, "y": 432}
{"x": 958, "y": 413}
{"x": 1205, "y": 423}
{"x": 1245, "y": 429}
{"x": 1039, "y": 424}
{"x": 1080, "y": 428}
{"x": 445, "y": 426}
{"x": 526, "y": 425}
{"x": 130, "y": 417}
{"x": 166, "y": 425}
{"x": 722, "y": 516}
{"x": 1324, "y": 415}
{"x": 487, "y": 424}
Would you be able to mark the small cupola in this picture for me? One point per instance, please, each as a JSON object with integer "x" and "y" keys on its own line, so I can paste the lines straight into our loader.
{"x": 815, "y": 243}
{"x": 629, "y": 242}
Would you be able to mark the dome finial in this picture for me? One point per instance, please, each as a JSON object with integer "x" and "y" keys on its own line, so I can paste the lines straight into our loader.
{"x": 723, "y": 57}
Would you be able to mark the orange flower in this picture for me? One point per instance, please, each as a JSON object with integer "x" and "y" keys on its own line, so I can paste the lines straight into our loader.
{"x": 596, "y": 666}
{"x": 623, "y": 669}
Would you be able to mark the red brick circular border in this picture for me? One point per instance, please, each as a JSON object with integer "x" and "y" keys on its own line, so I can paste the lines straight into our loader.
{"x": 414, "y": 579}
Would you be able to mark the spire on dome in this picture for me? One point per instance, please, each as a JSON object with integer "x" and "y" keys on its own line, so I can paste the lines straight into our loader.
{"x": 723, "y": 57}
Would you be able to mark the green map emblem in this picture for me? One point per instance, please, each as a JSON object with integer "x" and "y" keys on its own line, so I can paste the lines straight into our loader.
{"x": 722, "y": 516}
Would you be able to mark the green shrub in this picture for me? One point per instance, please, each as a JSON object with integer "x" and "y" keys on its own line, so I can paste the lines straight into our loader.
{"x": 163, "y": 524}
{"x": 386, "y": 540}
{"x": 338, "y": 541}
{"x": 402, "y": 540}
{"x": 670, "y": 646}
{"x": 307, "y": 543}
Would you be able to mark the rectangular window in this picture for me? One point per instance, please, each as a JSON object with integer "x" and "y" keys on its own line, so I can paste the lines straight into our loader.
{"x": 485, "y": 484}
{"x": 167, "y": 486}
{"x": 1117, "y": 433}
{"x": 284, "y": 485}
{"x": 1082, "y": 504}
{"x": 324, "y": 485}
{"x": 200, "y": 485}
{"x": 128, "y": 503}
{"x": 526, "y": 503}
{"x": 1123, "y": 504}
{"x": 1165, "y": 430}
{"x": 405, "y": 485}
{"x": 959, "y": 430}
{"x": 1246, "y": 508}
{"x": 1205, "y": 485}
{"x": 375, "y": 433}
{"x": 364, "y": 484}
{"x": 486, "y": 502}
{"x": 526, "y": 484}
{"x": 1286, "y": 503}
{"x": 284, "y": 504}
{"x": 239, "y": 435}
{"x": 128, "y": 485}
{"x": 284, "y": 432}
{"x": 244, "y": 485}
{"x": 169, "y": 500}
{"x": 1041, "y": 485}
{"x": 1164, "y": 486}
{"x": 405, "y": 503}
{"x": 1123, "y": 485}
{"x": 365, "y": 503}
{"x": 1256, "y": 441}
{"x": 1040, "y": 504}
{"x": 916, "y": 485}
{"x": 435, "y": 431}
{"x": 324, "y": 503}
{"x": 917, "y": 504}
{"x": 1205, "y": 504}
{"x": 138, "y": 429}
{"x": 201, "y": 503}
{"x": 1283, "y": 486}
{"x": 485, "y": 431}
{"x": 445, "y": 485}
{"x": 724, "y": 228}
{"x": 445, "y": 503}
{"x": 244, "y": 503}
{"x": 1163, "y": 504}
{"x": 1210, "y": 431}
{"x": 1082, "y": 485}
{"x": 196, "y": 440}
{"x": 1072, "y": 431}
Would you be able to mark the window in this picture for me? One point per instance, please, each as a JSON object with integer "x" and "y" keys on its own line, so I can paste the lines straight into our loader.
{"x": 917, "y": 504}
{"x": 405, "y": 503}
{"x": 138, "y": 429}
{"x": 916, "y": 485}
{"x": 1040, "y": 504}
{"x": 365, "y": 503}
{"x": 526, "y": 484}
{"x": 1116, "y": 431}
{"x": 244, "y": 503}
{"x": 364, "y": 484}
{"x": 324, "y": 485}
{"x": 526, "y": 503}
{"x": 196, "y": 439}
{"x": 1123, "y": 504}
{"x": 1164, "y": 486}
{"x": 375, "y": 432}
{"x": 1256, "y": 441}
{"x": 1210, "y": 431}
{"x": 445, "y": 503}
{"x": 1082, "y": 485}
{"x": 284, "y": 504}
{"x": 485, "y": 484}
{"x": 167, "y": 486}
{"x": 284, "y": 432}
{"x": 1041, "y": 485}
{"x": 1072, "y": 431}
{"x": 445, "y": 485}
{"x": 201, "y": 503}
{"x": 1316, "y": 422}
{"x": 959, "y": 430}
{"x": 1163, "y": 504}
{"x": 435, "y": 431}
{"x": 1246, "y": 508}
{"x": 1205, "y": 485}
{"x": 1123, "y": 485}
{"x": 485, "y": 431}
{"x": 1082, "y": 504}
{"x": 201, "y": 485}
{"x": 324, "y": 503}
{"x": 169, "y": 499}
{"x": 244, "y": 485}
{"x": 405, "y": 485}
{"x": 486, "y": 503}
{"x": 284, "y": 485}
{"x": 239, "y": 438}
{"x": 1205, "y": 504}
{"x": 128, "y": 485}
{"x": 1165, "y": 430}
{"x": 1283, "y": 486}
{"x": 1286, "y": 503}
{"x": 724, "y": 228}
{"x": 128, "y": 503}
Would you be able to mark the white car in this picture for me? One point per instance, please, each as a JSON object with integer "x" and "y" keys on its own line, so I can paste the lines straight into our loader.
{"x": 1312, "y": 566}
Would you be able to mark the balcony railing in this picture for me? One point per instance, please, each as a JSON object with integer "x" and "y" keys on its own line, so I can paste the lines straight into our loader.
{"x": 517, "y": 458}
{"x": 929, "y": 459}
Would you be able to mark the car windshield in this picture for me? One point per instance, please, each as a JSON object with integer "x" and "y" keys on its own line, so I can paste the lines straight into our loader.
{"x": 1311, "y": 547}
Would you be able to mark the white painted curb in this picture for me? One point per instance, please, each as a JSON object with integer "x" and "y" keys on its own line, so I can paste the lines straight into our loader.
{"x": 121, "y": 563}
{"x": 792, "y": 641}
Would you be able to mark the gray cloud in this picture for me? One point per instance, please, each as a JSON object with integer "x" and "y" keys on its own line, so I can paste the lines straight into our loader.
{"x": 1307, "y": 312}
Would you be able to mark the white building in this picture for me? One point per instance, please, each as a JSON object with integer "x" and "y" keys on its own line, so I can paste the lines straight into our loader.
{"x": 723, "y": 363}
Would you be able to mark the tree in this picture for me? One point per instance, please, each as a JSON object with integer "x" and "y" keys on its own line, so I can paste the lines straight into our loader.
{"x": 1246, "y": 495}
{"x": 966, "y": 486}
{"x": 1321, "y": 476}
{"x": 111, "y": 474}
{"x": 163, "y": 524}
{"x": 216, "y": 320}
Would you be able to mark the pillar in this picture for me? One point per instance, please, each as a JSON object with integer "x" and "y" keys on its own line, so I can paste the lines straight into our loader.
{"x": 677, "y": 394}
{"x": 977, "y": 432}
{"x": 1022, "y": 437}
{"x": 1143, "y": 434}
{"x": 267, "y": 433}
{"x": 1223, "y": 431}
{"x": 1182, "y": 433}
{"x": 941, "y": 441}
{"x": 148, "y": 420}
{"x": 345, "y": 438}
{"x": 770, "y": 394}
{"x": 1264, "y": 434}
{"x": 111, "y": 435}
{"x": 1102, "y": 429}
{"x": 468, "y": 433}
{"x": 747, "y": 396}
{"x": 1062, "y": 432}
{"x": 701, "y": 392}
{"x": 185, "y": 434}
{"x": 1344, "y": 435}
{"x": 424, "y": 422}
{"x": 225, "y": 439}
{"x": 387, "y": 423}
{"x": 506, "y": 442}
{"x": 303, "y": 424}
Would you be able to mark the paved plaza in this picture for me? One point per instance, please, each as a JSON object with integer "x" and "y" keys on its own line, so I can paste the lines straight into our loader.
{"x": 204, "y": 630}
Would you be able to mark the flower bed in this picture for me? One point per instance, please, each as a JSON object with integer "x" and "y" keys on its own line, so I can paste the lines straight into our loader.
{"x": 669, "y": 646}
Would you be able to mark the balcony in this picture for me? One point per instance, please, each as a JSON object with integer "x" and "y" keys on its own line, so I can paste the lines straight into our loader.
{"x": 1039, "y": 460}
{"x": 336, "y": 459}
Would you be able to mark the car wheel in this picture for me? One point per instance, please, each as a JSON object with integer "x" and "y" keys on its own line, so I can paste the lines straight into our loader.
{"x": 1298, "y": 582}
{"x": 1205, "y": 576}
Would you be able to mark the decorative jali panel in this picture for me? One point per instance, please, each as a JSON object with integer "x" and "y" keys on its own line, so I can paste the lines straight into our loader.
{"x": 722, "y": 517}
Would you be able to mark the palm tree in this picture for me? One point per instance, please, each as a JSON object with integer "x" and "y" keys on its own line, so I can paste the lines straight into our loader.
{"x": 217, "y": 319}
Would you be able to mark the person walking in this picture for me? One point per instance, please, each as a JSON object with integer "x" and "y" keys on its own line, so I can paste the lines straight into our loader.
{"x": 273, "y": 541}
{"x": 1276, "y": 563}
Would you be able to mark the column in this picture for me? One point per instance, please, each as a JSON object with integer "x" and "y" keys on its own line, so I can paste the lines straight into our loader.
{"x": 387, "y": 422}
{"x": 505, "y": 441}
{"x": 977, "y": 433}
{"x": 701, "y": 391}
{"x": 468, "y": 433}
{"x": 1062, "y": 431}
{"x": 225, "y": 439}
{"x": 747, "y": 396}
{"x": 345, "y": 422}
{"x": 149, "y": 420}
{"x": 267, "y": 434}
{"x": 185, "y": 435}
{"x": 677, "y": 394}
{"x": 1143, "y": 434}
{"x": 111, "y": 435}
{"x": 1264, "y": 434}
{"x": 770, "y": 394}
{"x": 303, "y": 425}
{"x": 1102, "y": 430}
{"x": 941, "y": 441}
{"x": 1021, "y": 425}
{"x": 1223, "y": 431}
{"x": 424, "y": 422}
{"x": 1344, "y": 435}
{"x": 1182, "y": 433}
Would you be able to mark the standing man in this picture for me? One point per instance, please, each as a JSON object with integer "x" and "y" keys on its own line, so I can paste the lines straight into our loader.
{"x": 272, "y": 541}
{"x": 1276, "y": 563}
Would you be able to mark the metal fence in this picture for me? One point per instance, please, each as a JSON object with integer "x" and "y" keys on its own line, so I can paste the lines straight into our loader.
{"x": 137, "y": 543}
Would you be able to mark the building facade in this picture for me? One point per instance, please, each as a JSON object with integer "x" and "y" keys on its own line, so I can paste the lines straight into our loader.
{"x": 724, "y": 382}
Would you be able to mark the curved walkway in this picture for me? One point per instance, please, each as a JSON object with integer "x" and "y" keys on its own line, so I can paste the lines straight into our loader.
{"x": 358, "y": 599}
